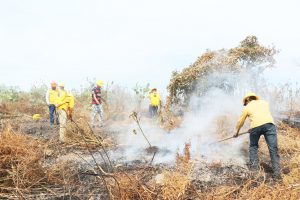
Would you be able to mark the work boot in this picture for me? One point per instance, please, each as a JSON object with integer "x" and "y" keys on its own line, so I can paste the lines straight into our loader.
{"x": 277, "y": 177}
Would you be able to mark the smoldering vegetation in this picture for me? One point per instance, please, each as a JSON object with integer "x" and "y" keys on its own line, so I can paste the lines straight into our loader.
{"x": 172, "y": 156}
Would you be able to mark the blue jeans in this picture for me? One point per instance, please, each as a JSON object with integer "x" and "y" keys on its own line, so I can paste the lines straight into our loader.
{"x": 153, "y": 110}
{"x": 52, "y": 113}
{"x": 269, "y": 132}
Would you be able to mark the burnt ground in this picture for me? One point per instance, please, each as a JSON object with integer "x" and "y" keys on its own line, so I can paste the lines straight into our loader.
{"x": 204, "y": 175}
{"x": 23, "y": 124}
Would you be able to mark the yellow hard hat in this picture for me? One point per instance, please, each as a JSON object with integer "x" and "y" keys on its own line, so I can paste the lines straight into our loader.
{"x": 61, "y": 85}
{"x": 250, "y": 94}
{"x": 100, "y": 83}
{"x": 36, "y": 117}
{"x": 53, "y": 84}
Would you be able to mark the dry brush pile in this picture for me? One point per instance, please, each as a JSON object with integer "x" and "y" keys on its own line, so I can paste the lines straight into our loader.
{"x": 248, "y": 55}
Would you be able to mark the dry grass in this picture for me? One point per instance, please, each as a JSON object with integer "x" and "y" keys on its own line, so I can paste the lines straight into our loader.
{"x": 63, "y": 173}
{"x": 294, "y": 176}
{"x": 140, "y": 184}
{"x": 253, "y": 189}
{"x": 80, "y": 133}
{"x": 264, "y": 191}
{"x": 22, "y": 170}
{"x": 183, "y": 161}
{"x": 288, "y": 145}
{"x": 21, "y": 158}
{"x": 174, "y": 183}
{"x": 127, "y": 186}
{"x": 286, "y": 130}
{"x": 20, "y": 161}
{"x": 23, "y": 107}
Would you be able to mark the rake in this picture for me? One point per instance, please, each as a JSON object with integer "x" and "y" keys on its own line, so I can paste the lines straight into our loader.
{"x": 231, "y": 137}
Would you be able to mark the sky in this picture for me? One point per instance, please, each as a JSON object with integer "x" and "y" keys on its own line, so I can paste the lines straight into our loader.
{"x": 136, "y": 41}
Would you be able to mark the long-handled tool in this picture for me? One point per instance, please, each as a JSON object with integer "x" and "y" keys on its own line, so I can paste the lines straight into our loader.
{"x": 228, "y": 138}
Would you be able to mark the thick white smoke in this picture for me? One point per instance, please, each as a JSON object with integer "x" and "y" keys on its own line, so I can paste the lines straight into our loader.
{"x": 200, "y": 126}
{"x": 209, "y": 118}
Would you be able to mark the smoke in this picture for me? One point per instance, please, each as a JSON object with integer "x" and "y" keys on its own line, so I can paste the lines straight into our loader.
{"x": 210, "y": 117}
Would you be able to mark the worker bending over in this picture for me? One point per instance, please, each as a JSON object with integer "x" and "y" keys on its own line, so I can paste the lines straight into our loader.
{"x": 262, "y": 123}
{"x": 51, "y": 100}
{"x": 155, "y": 101}
{"x": 65, "y": 106}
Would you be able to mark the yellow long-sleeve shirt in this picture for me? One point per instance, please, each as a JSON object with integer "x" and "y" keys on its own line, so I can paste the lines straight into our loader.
{"x": 51, "y": 96}
{"x": 154, "y": 99}
{"x": 62, "y": 100}
{"x": 258, "y": 112}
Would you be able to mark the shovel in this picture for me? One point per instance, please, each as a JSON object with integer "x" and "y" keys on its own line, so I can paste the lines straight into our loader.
{"x": 228, "y": 138}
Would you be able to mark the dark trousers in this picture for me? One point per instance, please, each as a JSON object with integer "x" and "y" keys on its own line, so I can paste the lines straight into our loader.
{"x": 269, "y": 132}
{"x": 153, "y": 110}
{"x": 52, "y": 113}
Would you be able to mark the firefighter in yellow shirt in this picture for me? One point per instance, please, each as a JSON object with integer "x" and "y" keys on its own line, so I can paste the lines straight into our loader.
{"x": 155, "y": 102}
{"x": 262, "y": 123}
{"x": 51, "y": 100}
{"x": 65, "y": 106}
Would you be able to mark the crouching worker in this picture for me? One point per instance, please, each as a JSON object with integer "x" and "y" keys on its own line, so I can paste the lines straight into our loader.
{"x": 262, "y": 123}
{"x": 154, "y": 102}
{"x": 64, "y": 107}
